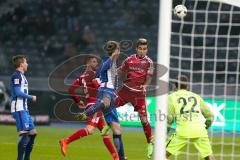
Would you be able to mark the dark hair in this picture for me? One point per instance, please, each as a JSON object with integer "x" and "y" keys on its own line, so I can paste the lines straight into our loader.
{"x": 17, "y": 60}
{"x": 142, "y": 41}
{"x": 111, "y": 46}
{"x": 182, "y": 82}
{"x": 89, "y": 58}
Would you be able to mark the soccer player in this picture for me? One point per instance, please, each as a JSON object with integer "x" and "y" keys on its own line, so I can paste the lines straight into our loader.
{"x": 193, "y": 118}
{"x": 106, "y": 96}
{"x": 19, "y": 107}
{"x": 89, "y": 86}
{"x": 139, "y": 70}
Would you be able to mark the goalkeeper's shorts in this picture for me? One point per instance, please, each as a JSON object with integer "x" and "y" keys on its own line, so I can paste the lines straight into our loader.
{"x": 176, "y": 143}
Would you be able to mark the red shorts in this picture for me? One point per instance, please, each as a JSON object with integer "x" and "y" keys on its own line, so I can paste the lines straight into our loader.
{"x": 137, "y": 99}
{"x": 96, "y": 120}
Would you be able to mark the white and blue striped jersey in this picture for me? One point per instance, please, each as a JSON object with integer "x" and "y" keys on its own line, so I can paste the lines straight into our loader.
{"x": 19, "y": 92}
{"x": 108, "y": 74}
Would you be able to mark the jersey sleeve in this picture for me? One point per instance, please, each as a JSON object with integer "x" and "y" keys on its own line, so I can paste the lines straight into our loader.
{"x": 19, "y": 93}
{"x": 207, "y": 113}
{"x": 16, "y": 80}
{"x": 171, "y": 112}
{"x": 73, "y": 88}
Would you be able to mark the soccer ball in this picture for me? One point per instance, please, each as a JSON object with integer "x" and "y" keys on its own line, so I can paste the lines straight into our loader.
{"x": 180, "y": 11}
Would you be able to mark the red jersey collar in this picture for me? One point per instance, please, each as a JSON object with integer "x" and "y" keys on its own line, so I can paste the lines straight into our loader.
{"x": 140, "y": 58}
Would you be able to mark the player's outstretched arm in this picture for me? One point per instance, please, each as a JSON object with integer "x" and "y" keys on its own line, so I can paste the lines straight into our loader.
{"x": 207, "y": 113}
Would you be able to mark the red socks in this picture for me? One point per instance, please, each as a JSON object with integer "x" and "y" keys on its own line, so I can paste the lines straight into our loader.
{"x": 80, "y": 133}
{"x": 108, "y": 143}
{"x": 147, "y": 131}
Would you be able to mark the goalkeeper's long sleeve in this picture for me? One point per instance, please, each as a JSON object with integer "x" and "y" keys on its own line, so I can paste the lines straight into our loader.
{"x": 207, "y": 113}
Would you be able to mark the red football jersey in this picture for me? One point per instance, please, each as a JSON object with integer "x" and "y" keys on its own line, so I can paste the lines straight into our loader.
{"x": 137, "y": 70}
{"x": 89, "y": 86}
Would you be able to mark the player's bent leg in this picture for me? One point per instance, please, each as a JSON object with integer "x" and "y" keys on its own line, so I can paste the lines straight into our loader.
{"x": 117, "y": 139}
{"x": 105, "y": 130}
{"x": 175, "y": 144}
{"x": 106, "y": 139}
{"x": 106, "y": 100}
{"x": 103, "y": 127}
{"x": 148, "y": 134}
{"x": 93, "y": 109}
{"x": 119, "y": 101}
{"x": 90, "y": 129}
{"x": 31, "y": 136}
{"x": 203, "y": 146}
{"x": 64, "y": 142}
{"x": 116, "y": 128}
{"x": 147, "y": 129}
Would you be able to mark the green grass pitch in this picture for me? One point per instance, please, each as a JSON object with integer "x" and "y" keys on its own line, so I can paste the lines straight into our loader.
{"x": 91, "y": 147}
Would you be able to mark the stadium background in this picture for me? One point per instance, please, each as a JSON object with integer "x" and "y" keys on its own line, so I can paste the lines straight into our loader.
{"x": 49, "y": 32}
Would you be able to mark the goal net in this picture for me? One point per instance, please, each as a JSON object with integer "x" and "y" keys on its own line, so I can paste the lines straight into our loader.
{"x": 205, "y": 45}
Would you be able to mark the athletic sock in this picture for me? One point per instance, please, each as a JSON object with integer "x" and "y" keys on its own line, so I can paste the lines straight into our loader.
{"x": 147, "y": 131}
{"x": 29, "y": 147}
{"x": 117, "y": 139}
{"x": 108, "y": 143}
{"x": 79, "y": 134}
{"x": 22, "y": 143}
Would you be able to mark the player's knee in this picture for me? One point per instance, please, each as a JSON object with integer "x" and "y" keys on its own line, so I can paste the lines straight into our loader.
{"x": 33, "y": 132}
{"x": 106, "y": 101}
{"x": 210, "y": 157}
{"x": 144, "y": 122}
{"x": 116, "y": 129}
{"x": 90, "y": 129}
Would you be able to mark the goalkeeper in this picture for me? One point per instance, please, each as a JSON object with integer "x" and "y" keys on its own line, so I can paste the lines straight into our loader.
{"x": 192, "y": 117}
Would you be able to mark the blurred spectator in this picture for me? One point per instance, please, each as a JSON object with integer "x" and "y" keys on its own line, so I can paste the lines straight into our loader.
{"x": 73, "y": 11}
{"x": 109, "y": 3}
{"x": 59, "y": 14}
{"x": 144, "y": 18}
{"x": 3, "y": 60}
{"x": 88, "y": 36}
{"x": 126, "y": 19}
{"x": 52, "y": 48}
{"x": 23, "y": 27}
{"x": 75, "y": 36}
{"x": 4, "y": 98}
{"x": 70, "y": 50}
{"x": 19, "y": 13}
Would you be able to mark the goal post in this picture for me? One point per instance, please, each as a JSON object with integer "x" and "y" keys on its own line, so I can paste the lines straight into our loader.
{"x": 205, "y": 45}
{"x": 163, "y": 58}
